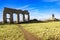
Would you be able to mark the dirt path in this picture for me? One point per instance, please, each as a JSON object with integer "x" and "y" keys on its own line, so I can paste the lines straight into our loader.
{"x": 27, "y": 34}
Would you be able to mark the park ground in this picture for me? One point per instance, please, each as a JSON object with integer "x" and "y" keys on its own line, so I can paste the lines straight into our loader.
{"x": 42, "y": 31}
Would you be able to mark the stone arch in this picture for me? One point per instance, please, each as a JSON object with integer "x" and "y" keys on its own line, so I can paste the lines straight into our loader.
{"x": 20, "y": 18}
{"x": 26, "y": 17}
{"x": 14, "y": 17}
{"x": 8, "y": 17}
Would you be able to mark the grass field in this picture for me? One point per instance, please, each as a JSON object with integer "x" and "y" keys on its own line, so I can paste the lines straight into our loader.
{"x": 10, "y": 32}
{"x": 45, "y": 31}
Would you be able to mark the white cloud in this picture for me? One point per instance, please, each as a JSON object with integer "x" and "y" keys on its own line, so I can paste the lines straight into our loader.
{"x": 35, "y": 13}
{"x": 51, "y": 0}
{"x": 23, "y": 7}
{"x": 26, "y": 7}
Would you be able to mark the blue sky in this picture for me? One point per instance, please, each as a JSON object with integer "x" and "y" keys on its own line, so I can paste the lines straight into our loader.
{"x": 38, "y": 9}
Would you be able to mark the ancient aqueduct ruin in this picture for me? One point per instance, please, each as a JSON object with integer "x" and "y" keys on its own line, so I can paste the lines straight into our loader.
{"x": 11, "y": 11}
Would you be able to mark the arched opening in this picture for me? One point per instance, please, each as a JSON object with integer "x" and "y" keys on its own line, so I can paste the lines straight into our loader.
{"x": 8, "y": 17}
{"x": 20, "y": 18}
{"x": 14, "y": 18}
{"x": 26, "y": 17}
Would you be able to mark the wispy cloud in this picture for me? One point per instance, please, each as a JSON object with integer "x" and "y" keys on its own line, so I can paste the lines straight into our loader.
{"x": 25, "y": 7}
{"x": 56, "y": 1}
{"x": 36, "y": 13}
{"x": 50, "y": 0}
